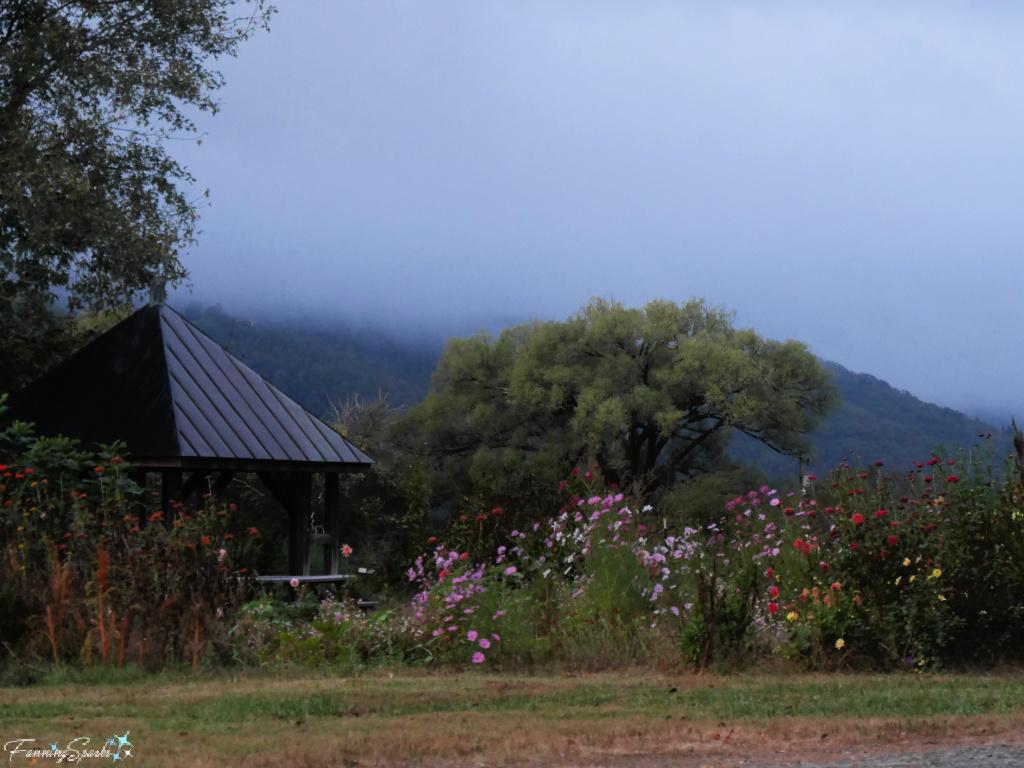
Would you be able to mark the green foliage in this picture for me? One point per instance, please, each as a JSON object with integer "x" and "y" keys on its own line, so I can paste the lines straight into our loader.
{"x": 388, "y": 507}
{"x": 937, "y": 560}
{"x": 649, "y": 395}
{"x": 91, "y": 205}
{"x": 700, "y": 500}
{"x": 90, "y": 576}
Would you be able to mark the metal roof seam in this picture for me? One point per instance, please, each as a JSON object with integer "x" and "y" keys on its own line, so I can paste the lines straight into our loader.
{"x": 228, "y": 423}
{"x": 198, "y": 410}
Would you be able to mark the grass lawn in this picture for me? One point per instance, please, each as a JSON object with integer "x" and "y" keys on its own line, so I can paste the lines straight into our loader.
{"x": 381, "y": 717}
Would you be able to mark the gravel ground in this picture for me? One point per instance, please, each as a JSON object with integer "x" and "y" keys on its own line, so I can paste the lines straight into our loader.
{"x": 960, "y": 757}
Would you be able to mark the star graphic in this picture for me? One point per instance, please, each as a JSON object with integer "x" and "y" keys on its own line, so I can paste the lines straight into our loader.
{"x": 122, "y": 740}
{"x": 111, "y": 741}
{"x": 127, "y": 753}
{"x": 53, "y": 747}
{"x": 117, "y": 757}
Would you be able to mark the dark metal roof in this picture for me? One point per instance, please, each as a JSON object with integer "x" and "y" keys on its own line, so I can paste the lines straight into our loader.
{"x": 177, "y": 399}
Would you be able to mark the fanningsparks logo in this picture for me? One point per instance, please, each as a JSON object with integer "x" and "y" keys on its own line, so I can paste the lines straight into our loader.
{"x": 115, "y": 748}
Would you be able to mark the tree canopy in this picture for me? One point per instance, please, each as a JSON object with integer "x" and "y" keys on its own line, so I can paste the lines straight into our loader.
{"x": 649, "y": 395}
{"x": 92, "y": 206}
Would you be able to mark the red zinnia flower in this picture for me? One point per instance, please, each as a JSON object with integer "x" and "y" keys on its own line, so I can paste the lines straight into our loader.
{"x": 799, "y": 543}
{"x": 891, "y": 541}
{"x": 952, "y": 479}
{"x": 882, "y": 513}
{"x": 858, "y": 518}
{"x": 464, "y": 556}
{"x": 878, "y": 464}
{"x": 481, "y": 517}
{"x": 769, "y": 573}
{"x": 252, "y": 531}
{"x": 496, "y": 511}
{"x": 774, "y": 592}
{"x": 773, "y": 608}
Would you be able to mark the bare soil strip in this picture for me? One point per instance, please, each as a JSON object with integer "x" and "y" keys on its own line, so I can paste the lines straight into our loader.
{"x": 408, "y": 719}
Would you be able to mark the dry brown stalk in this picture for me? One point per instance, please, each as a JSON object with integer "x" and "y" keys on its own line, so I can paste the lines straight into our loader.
{"x": 120, "y": 656}
{"x": 53, "y": 636}
{"x": 195, "y": 653}
{"x": 101, "y": 582}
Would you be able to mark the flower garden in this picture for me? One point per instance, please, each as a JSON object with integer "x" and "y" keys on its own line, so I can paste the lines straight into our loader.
{"x": 863, "y": 569}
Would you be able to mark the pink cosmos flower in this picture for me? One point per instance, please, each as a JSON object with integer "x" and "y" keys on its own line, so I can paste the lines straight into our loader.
{"x": 485, "y": 643}
{"x": 472, "y": 635}
{"x": 478, "y": 658}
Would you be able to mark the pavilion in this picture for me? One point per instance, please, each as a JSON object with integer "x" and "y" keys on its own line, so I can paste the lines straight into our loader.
{"x": 189, "y": 410}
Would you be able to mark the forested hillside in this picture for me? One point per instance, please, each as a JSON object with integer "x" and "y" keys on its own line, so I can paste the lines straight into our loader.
{"x": 323, "y": 367}
{"x": 880, "y": 423}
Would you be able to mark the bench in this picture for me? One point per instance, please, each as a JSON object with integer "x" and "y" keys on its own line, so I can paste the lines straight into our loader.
{"x": 336, "y": 578}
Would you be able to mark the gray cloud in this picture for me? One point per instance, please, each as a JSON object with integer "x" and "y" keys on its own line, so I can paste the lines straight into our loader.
{"x": 845, "y": 174}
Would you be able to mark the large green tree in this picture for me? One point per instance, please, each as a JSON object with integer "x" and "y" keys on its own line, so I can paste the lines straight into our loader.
{"x": 650, "y": 395}
{"x": 92, "y": 206}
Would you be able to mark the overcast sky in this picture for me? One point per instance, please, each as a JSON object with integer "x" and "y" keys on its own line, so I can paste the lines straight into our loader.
{"x": 846, "y": 174}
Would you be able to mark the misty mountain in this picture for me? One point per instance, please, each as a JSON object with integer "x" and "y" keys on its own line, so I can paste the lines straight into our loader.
{"x": 876, "y": 422}
{"x": 321, "y": 365}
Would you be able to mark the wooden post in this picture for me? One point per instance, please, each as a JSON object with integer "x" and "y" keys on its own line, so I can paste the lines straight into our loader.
{"x": 332, "y": 521}
{"x": 303, "y": 484}
{"x": 170, "y": 491}
{"x": 141, "y": 505}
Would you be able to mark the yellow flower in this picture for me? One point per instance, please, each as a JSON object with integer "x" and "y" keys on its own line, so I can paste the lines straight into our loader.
{"x": 898, "y": 580}
{"x": 936, "y": 573}
{"x": 792, "y": 615}
{"x": 942, "y": 598}
{"x": 906, "y": 561}
{"x": 840, "y": 643}
{"x": 912, "y": 578}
